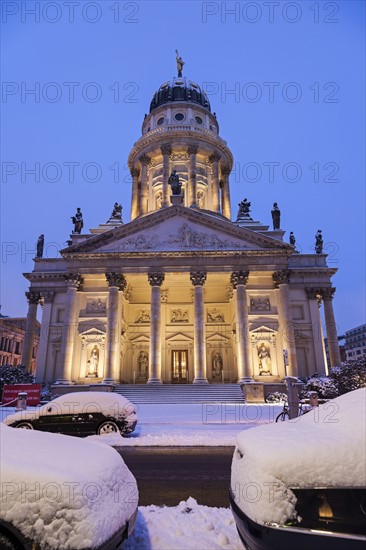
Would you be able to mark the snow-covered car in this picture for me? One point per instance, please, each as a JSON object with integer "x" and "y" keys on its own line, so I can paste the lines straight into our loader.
{"x": 59, "y": 492}
{"x": 79, "y": 413}
{"x": 302, "y": 483}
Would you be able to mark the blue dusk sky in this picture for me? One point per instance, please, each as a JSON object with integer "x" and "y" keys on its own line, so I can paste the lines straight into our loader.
{"x": 286, "y": 80}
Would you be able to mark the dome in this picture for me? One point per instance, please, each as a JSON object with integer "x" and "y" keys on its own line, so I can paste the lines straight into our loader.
{"x": 180, "y": 89}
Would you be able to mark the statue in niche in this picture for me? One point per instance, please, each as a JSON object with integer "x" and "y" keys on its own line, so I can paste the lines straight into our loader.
{"x": 78, "y": 222}
{"x": 217, "y": 365}
{"x": 143, "y": 364}
{"x": 174, "y": 183}
{"x": 180, "y": 63}
{"x": 93, "y": 363}
{"x": 159, "y": 200}
{"x": 276, "y": 216}
{"x": 200, "y": 197}
{"x": 40, "y": 245}
{"x": 319, "y": 242}
{"x": 264, "y": 360}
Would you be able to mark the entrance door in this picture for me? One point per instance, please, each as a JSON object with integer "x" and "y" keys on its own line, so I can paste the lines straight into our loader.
{"x": 179, "y": 367}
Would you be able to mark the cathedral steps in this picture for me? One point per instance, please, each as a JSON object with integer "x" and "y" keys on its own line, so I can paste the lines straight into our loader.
{"x": 181, "y": 393}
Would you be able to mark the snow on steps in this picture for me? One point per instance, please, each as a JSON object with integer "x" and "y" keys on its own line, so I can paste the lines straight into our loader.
{"x": 179, "y": 393}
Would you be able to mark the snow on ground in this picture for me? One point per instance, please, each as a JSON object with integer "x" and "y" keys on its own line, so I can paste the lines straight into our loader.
{"x": 186, "y": 526}
{"x": 324, "y": 448}
{"x": 206, "y": 424}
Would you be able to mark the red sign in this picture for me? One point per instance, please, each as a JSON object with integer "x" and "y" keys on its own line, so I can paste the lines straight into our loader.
{"x": 10, "y": 393}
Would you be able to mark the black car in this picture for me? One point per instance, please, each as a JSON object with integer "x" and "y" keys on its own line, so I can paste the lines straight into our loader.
{"x": 80, "y": 414}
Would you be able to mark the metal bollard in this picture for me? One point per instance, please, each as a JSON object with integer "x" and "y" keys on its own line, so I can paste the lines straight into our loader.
{"x": 22, "y": 401}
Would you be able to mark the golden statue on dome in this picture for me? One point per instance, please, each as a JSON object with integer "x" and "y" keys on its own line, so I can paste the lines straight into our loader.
{"x": 180, "y": 63}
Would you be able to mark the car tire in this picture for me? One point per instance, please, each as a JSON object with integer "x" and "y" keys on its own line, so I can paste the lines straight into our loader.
{"x": 107, "y": 427}
{"x": 282, "y": 417}
{"x": 25, "y": 426}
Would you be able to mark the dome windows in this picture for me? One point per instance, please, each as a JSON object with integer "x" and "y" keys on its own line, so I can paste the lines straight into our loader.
{"x": 179, "y": 116}
{"x": 160, "y": 121}
{"x": 198, "y": 120}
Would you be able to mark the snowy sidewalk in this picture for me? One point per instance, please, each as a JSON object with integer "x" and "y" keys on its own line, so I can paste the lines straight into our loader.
{"x": 186, "y": 526}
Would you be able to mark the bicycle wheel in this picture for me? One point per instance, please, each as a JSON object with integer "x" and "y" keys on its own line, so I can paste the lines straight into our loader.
{"x": 282, "y": 416}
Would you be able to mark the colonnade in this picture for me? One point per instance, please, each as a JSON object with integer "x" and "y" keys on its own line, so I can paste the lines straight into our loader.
{"x": 117, "y": 283}
{"x": 218, "y": 187}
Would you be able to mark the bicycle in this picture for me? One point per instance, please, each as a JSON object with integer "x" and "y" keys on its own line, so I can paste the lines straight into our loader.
{"x": 285, "y": 413}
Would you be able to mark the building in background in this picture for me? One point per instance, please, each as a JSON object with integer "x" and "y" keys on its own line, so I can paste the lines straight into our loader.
{"x": 12, "y": 336}
{"x": 183, "y": 293}
{"x": 355, "y": 342}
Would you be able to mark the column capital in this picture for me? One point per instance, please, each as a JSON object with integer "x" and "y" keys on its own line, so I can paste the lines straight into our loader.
{"x": 156, "y": 278}
{"x": 314, "y": 294}
{"x": 225, "y": 169}
{"x": 239, "y": 278}
{"x": 192, "y": 149}
{"x": 198, "y": 278}
{"x": 48, "y": 296}
{"x": 145, "y": 159}
{"x": 215, "y": 157}
{"x": 33, "y": 297}
{"x": 166, "y": 149}
{"x": 135, "y": 171}
{"x": 328, "y": 293}
{"x": 116, "y": 279}
{"x": 73, "y": 280}
{"x": 281, "y": 277}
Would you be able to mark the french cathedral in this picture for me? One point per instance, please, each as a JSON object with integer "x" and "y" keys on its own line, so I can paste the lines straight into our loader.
{"x": 185, "y": 292}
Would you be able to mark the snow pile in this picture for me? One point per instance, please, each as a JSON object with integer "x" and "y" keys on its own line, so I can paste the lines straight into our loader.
{"x": 63, "y": 492}
{"x": 109, "y": 404}
{"x": 186, "y": 526}
{"x": 325, "y": 447}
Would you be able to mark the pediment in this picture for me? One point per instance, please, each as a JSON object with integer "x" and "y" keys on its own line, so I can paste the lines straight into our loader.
{"x": 217, "y": 337}
{"x": 179, "y": 337}
{"x": 140, "y": 338}
{"x": 91, "y": 328}
{"x": 176, "y": 229}
{"x": 263, "y": 329}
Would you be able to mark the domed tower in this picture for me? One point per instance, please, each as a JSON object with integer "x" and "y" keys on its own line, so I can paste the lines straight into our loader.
{"x": 180, "y": 133}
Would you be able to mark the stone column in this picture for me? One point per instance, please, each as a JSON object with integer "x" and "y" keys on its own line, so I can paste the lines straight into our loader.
{"x": 48, "y": 297}
{"x": 192, "y": 152}
{"x": 116, "y": 282}
{"x": 214, "y": 159}
{"x": 144, "y": 159}
{"x": 225, "y": 191}
{"x": 315, "y": 298}
{"x": 166, "y": 151}
{"x": 33, "y": 298}
{"x": 330, "y": 324}
{"x": 155, "y": 280}
{"x": 239, "y": 280}
{"x": 198, "y": 279}
{"x": 135, "y": 202}
{"x": 74, "y": 283}
{"x": 281, "y": 280}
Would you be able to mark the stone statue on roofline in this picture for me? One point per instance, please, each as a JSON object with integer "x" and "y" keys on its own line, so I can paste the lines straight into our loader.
{"x": 40, "y": 245}
{"x": 78, "y": 222}
{"x": 244, "y": 209}
{"x": 276, "y": 216}
{"x": 180, "y": 63}
{"x": 319, "y": 242}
